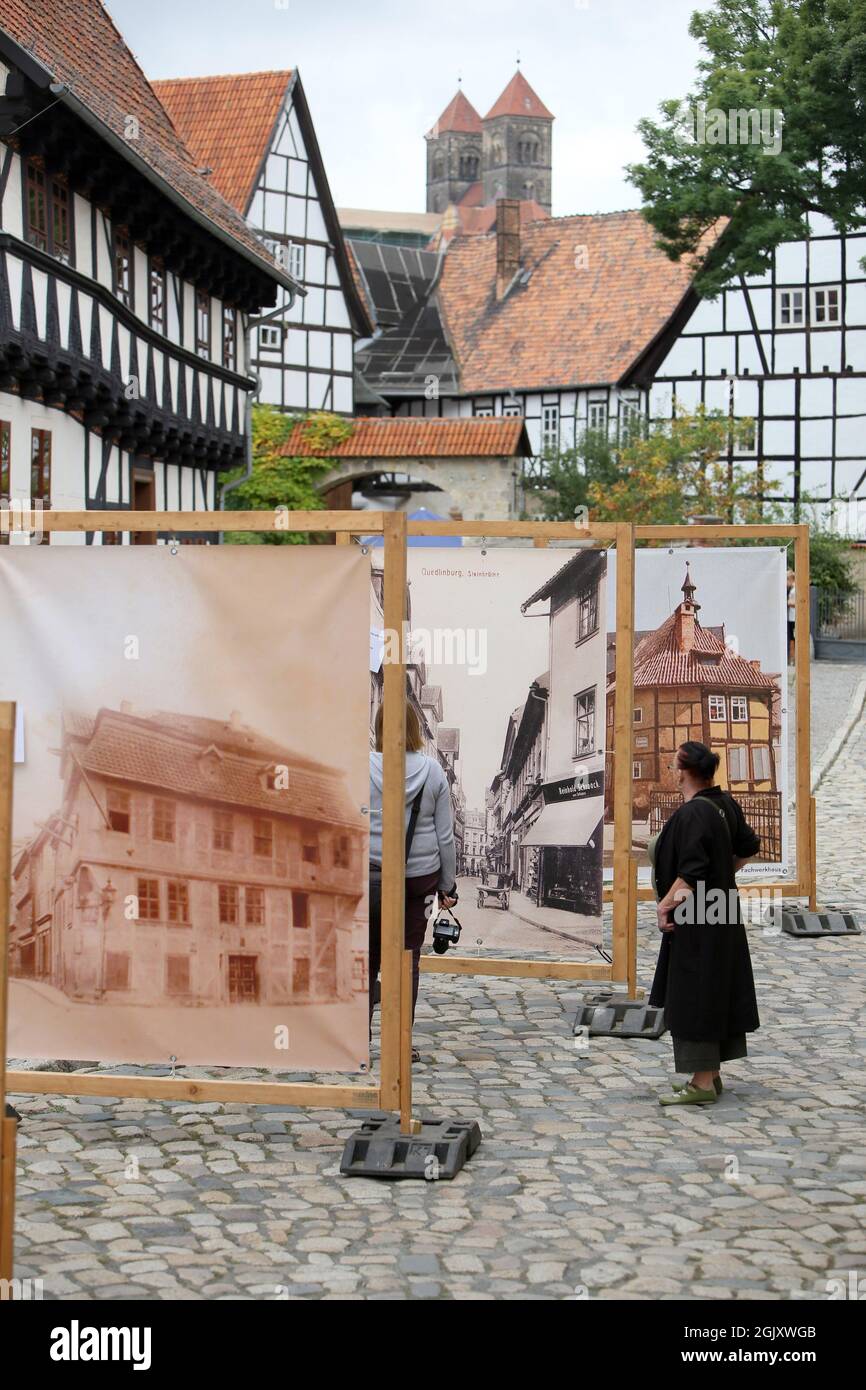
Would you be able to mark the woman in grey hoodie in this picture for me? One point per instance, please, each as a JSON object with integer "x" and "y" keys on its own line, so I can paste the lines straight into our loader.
{"x": 431, "y": 862}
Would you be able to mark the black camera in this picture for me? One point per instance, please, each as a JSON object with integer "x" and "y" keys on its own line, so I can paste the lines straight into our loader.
{"x": 446, "y": 933}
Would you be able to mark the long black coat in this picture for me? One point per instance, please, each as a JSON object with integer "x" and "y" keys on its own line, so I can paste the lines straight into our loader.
{"x": 704, "y": 973}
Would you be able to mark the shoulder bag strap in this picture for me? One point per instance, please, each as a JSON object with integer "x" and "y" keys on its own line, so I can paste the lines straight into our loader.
{"x": 413, "y": 814}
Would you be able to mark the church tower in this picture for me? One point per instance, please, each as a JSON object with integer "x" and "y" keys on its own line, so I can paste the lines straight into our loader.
{"x": 518, "y": 146}
{"x": 454, "y": 153}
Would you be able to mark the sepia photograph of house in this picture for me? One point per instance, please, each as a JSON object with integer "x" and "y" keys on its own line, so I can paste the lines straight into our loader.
{"x": 710, "y": 670}
{"x": 521, "y": 734}
{"x": 187, "y": 882}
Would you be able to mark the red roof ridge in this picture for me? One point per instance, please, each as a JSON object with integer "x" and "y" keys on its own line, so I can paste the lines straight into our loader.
{"x": 400, "y": 436}
{"x": 221, "y": 76}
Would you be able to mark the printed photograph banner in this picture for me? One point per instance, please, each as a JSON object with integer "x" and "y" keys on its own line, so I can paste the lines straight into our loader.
{"x": 506, "y": 669}
{"x": 710, "y": 664}
{"x": 190, "y": 853}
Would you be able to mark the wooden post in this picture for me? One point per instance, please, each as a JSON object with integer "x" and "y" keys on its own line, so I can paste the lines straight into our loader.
{"x": 622, "y": 754}
{"x": 631, "y": 958}
{"x": 7, "y": 1127}
{"x": 406, "y": 1043}
{"x": 392, "y": 1095}
{"x": 805, "y": 857}
{"x": 8, "y": 1137}
{"x": 813, "y": 854}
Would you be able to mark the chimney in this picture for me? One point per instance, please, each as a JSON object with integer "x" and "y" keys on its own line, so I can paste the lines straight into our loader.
{"x": 235, "y": 721}
{"x": 126, "y": 707}
{"x": 507, "y": 243}
{"x": 684, "y": 628}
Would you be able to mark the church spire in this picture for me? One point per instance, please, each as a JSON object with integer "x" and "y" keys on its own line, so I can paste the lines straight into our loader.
{"x": 689, "y": 589}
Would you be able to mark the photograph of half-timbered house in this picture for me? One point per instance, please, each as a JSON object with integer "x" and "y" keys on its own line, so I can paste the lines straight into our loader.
{"x": 190, "y": 871}
{"x": 189, "y": 861}
{"x": 697, "y": 676}
{"x": 127, "y": 282}
{"x": 528, "y": 726}
{"x": 254, "y": 134}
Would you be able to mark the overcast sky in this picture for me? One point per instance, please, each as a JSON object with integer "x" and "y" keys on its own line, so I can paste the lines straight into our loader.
{"x": 378, "y": 74}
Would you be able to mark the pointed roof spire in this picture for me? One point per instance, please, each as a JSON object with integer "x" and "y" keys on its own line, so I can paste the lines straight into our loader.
{"x": 689, "y": 589}
{"x": 519, "y": 99}
{"x": 459, "y": 115}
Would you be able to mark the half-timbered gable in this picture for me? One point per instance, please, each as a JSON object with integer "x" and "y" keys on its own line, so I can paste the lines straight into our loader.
{"x": 786, "y": 349}
{"x": 255, "y": 134}
{"x": 126, "y": 280}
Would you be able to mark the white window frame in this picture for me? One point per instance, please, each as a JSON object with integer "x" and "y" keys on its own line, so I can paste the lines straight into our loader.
{"x": 483, "y": 411}
{"x": 294, "y": 259}
{"x": 599, "y": 409}
{"x": 629, "y": 416}
{"x": 791, "y": 308}
{"x": 637, "y": 770}
{"x": 637, "y": 716}
{"x": 512, "y": 410}
{"x": 549, "y": 427}
{"x": 740, "y": 701}
{"x": 270, "y": 337}
{"x": 821, "y": 317}
{"x": 718, "y": 700}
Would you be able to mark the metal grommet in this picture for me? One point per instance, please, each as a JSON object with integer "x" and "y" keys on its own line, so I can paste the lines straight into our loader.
{"x": 365, "y": 550}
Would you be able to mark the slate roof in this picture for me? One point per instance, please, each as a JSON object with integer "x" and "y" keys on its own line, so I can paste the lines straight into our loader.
{"x": 78, "y": 45}
{"x": 227, "y": 122}
{"x": 210, "y": 760}
{"x": 415, "y": 437}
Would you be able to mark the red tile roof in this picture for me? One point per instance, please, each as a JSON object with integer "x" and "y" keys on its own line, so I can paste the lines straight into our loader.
{"x": 598, "y": 290}
{"x": 171, "y": 752}
{"x": 227, "y": 123}
{"x": 77, "y": 42}
{"x": 459, "y": 116}
{"x": 411, "y": 437}
{"x": 519, "y": 99}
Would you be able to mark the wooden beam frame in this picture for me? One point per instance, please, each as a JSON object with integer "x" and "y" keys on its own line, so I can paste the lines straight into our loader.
{"x": 393, "y": 1091}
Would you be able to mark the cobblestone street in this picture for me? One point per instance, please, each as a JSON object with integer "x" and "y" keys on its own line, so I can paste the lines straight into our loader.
{"x": 583, "y": 1186}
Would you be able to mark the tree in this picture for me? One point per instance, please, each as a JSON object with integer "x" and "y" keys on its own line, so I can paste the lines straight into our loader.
{"x": 662, "y": 475}
{"x": 800, "y": 66}
{"x": 280, "y": 481}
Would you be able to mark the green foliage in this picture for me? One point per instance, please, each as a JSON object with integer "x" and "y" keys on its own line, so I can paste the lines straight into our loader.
{"x": 805, "y": 59}
{"x": 284, "y": 482}
{"x": 660, "y": 475}
{"x": 830, "y": 563}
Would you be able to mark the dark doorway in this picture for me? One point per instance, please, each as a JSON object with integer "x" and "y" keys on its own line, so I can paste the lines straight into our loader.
{"x": 243, "y": 980}
{"x": 143, "y": 500}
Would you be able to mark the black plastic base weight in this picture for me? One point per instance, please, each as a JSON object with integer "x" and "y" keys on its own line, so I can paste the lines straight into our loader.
{"x": 612, "y": 1016}
{"x": 795, "y": 920}
{"x": 438, "y": 1150}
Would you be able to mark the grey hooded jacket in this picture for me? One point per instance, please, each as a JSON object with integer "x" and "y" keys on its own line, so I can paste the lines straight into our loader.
{"x": 433, "y": 840}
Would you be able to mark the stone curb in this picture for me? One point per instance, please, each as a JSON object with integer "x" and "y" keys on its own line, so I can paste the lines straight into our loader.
{"x": 840, "y": 738}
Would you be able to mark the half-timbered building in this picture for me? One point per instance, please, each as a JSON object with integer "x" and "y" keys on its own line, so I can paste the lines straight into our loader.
{"x": 580, "y": 323}
{"x": 254, "y": 134}
{"x": 127, "y": 280}
{"x": 193, "y": 861}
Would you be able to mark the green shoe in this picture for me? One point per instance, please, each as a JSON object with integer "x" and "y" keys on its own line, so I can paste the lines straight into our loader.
{"x": 681, "y": 1085}
{"x": 690, "y": 1095}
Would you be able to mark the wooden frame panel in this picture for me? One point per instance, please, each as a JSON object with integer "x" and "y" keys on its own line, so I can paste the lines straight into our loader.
{"x": 394, "y": 1089}
{"x": 623, "y": 965}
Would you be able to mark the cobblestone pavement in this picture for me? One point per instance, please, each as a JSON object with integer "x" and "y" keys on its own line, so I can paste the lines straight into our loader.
{"x": 582, "y": 1187}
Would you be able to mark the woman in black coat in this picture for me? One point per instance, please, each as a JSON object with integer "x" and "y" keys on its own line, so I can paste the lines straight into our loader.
{"x": 704, "y": 973}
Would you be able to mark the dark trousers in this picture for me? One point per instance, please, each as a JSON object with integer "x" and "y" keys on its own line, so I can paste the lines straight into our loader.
{"x": 419, "y": 906}
{"x": 707, "y": 1056}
